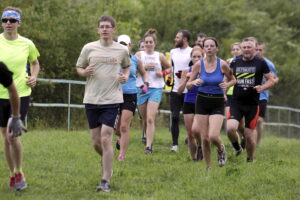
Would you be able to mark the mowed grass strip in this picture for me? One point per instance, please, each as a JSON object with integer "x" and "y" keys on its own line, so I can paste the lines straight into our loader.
{"x": 63, "y": 165}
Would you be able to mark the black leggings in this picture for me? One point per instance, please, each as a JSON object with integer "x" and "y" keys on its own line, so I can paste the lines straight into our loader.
{"x": 176, "y": 107}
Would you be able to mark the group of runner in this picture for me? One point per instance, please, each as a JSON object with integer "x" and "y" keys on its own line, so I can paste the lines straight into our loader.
{"x": 118, "y": 82}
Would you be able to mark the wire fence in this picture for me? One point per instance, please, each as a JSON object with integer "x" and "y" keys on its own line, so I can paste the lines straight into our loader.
{"x": 281, "y": 121}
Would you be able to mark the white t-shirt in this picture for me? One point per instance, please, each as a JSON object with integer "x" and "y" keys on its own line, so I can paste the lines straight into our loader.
{"x": 181, "y": 59}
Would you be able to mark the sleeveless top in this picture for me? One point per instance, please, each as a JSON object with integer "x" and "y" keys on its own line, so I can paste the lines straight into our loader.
{"x": 190, "y": 96}
{"x": 154, "y": 80}
{"x": 130, "y": 86}
{"x": 211, "y": 80}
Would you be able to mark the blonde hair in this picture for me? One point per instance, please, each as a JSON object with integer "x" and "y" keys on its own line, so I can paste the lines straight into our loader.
{"x": 236, "y": 44}
{"x": 197, "y": 48}
{"x": 14, "y": 9}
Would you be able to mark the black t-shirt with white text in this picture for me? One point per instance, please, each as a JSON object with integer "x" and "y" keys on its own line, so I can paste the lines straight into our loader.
{"x": 5, "y": 75}
{"x": 248, "y": 74}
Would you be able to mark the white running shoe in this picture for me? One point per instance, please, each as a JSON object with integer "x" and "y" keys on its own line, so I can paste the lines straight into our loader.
{"x": 222, "y": 157}
{"x": 174, "y": 148}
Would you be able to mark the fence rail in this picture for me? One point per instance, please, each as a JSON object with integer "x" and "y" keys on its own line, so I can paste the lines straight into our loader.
{"x": 289, "y": 122}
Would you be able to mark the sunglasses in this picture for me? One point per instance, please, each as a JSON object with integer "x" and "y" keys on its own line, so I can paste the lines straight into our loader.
{"x": 123, "y": 43}
{"x": 10, "y": 20}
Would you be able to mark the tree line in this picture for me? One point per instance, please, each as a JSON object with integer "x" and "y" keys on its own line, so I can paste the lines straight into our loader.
{"x": 60, "y": 28}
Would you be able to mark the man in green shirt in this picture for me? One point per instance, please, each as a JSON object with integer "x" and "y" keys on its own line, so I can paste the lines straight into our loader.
{"x": 15, "y": 52}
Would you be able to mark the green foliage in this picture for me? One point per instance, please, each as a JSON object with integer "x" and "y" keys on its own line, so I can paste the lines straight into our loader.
{"x": 60, "y": 28}
{"x": 63, "y": 165}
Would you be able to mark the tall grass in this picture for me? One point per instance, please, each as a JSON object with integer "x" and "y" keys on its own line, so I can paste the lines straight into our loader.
{"x": 63, "y": 165}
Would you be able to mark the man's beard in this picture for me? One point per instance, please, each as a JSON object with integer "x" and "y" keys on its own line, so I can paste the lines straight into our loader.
{"x": 179, "y": 44}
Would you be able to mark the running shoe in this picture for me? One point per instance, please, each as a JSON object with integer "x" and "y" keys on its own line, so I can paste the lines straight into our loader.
{"x": 20, "y": 182}
{"x": 199, "y": 153}
{"x": 148, "y": 151}
{"x": 103, "y": 186}
{"x": 11, "y": 184}
{"x": 174, "y": 148}
{"x": 222, "y": 157}
{"x": 121, "y": 157}
{"x": 118, "y": 144}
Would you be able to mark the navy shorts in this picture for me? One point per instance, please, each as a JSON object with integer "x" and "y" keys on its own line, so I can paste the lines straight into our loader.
{"x": 130, "y": 101}
{"x": 210, "y": 104}
{"x": 5, "y": 110}
{"x": 102, "y": 114}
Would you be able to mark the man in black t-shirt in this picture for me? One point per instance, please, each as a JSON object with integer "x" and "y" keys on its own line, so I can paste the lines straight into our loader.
{"x": 249, "y": 71}
{"x": 15, "y": 124}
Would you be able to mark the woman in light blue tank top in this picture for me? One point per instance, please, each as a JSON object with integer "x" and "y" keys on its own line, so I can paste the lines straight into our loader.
{"x": 194, "y": 144}
{"x": 209, "y": 114}
{"x": 130, "y": 90}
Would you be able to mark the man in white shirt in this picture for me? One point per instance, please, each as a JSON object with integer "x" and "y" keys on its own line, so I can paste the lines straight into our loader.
{"x": 180, "y": 59}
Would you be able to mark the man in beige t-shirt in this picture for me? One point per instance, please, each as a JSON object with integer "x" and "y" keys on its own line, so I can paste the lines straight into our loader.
{"x": 100, "y": 63}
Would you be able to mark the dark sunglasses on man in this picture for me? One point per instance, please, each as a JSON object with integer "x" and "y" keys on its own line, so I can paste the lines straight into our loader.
{"x": 12, "y": 20}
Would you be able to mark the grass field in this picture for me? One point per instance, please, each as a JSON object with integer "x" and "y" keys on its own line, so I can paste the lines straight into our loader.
{"x": 63, "y": 165}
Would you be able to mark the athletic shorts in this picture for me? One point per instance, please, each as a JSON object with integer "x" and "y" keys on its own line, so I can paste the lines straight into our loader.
{"x": 250, "y": 112}
{"x": 102, "y": 114}
{"x": 129, "y": 102}
{"x": 263, "y": 108}
{"x": 228, "y": 102}
{"x": 188, "y": 108}
{"x": 5, "y": 110}
{"x": 176, "y": 101}
{"x": 210, "y": 104}
{"x": 153, "y": 94}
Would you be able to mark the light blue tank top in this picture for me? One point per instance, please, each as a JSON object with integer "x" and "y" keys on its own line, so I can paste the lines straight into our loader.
{"x": 264, "y": 95}
{"x": 130, "y": 86}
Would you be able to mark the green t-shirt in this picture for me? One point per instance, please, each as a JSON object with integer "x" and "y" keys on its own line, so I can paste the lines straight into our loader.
{"x": 230, "y": 90}
{"x": 15, "y": 54}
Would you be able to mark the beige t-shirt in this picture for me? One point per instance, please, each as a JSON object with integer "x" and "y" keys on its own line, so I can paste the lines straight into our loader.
{"x": 103, "y": 87}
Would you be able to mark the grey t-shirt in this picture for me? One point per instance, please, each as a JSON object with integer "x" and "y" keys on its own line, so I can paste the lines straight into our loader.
{"x": 104, "y": 86}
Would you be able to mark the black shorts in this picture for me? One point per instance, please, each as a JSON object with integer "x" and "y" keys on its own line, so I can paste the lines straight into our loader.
{"x": 250, "y": 112}
{"x": 188, "y": 108}
{"x": 210, "y": 104}
{"x": 263, "y": 108}
{"x": 5, "y": 110}
{"x": 129, "y": 102}
{"x": 102, "y": 114}
{"x": 176, "y": 101}
{"x": 228, "y": 102}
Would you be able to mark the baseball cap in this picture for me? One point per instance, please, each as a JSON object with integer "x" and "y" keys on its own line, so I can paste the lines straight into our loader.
{"x": 124, "y": 38}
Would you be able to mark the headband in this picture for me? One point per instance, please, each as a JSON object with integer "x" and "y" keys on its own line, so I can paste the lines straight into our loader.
{"x": 12, "y": 14}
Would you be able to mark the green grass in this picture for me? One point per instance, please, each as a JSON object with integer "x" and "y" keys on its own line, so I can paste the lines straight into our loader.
{"x": 63, "y": 165}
